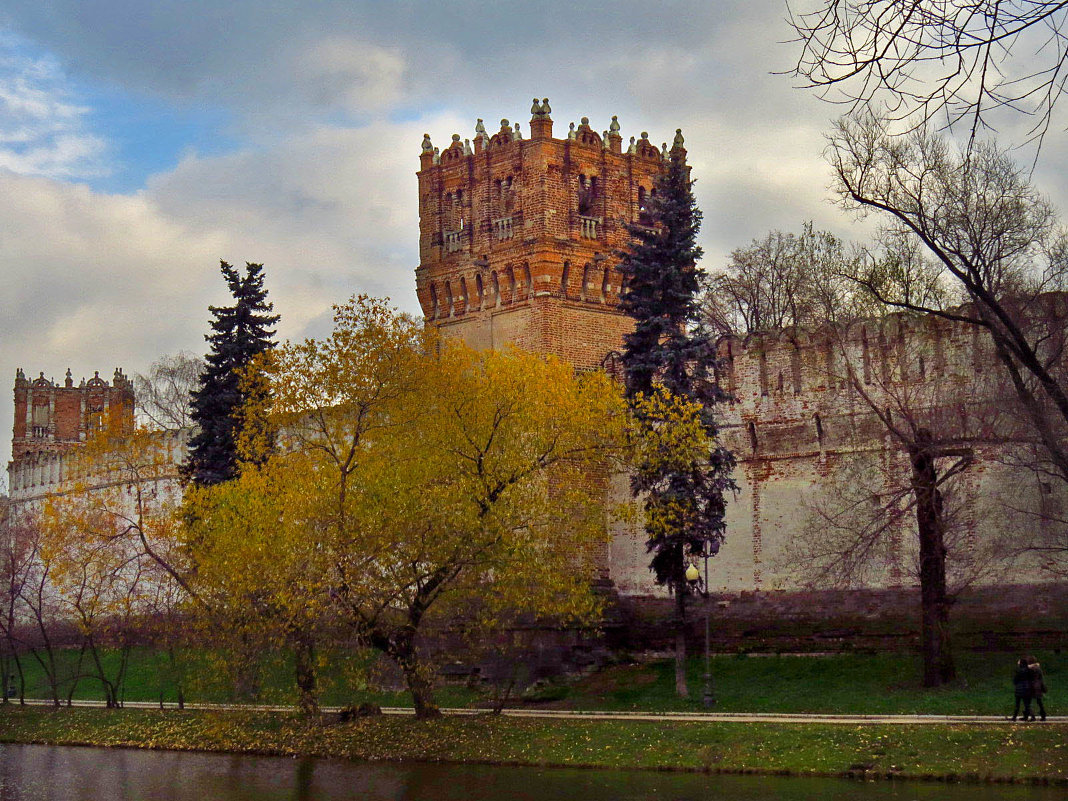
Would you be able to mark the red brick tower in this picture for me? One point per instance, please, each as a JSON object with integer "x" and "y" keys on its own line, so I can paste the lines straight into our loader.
{"x": 51, "y": 418}
{"x": 517, "y": 237}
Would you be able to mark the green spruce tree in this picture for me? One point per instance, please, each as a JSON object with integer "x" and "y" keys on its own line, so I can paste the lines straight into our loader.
{"x": 670, "y": 347}
{"x": 239, "y": 333}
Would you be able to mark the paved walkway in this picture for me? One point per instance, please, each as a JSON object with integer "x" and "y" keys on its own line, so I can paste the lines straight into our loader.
{"x": 719, "y": 717}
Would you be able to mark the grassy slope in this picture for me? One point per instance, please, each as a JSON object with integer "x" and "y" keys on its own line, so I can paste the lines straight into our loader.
{"x": 849, "y": 683}
{"x": 1029, "y": 753}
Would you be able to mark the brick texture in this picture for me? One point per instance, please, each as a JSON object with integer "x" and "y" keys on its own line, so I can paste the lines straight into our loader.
{"x": 517, "y": 237}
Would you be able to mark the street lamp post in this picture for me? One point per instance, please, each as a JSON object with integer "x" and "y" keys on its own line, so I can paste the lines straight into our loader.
{"x": 693, "y": 575}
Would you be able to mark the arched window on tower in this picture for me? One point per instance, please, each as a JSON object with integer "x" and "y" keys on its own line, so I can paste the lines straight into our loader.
{"x": 480, "y": 292}
{"x": 433, "y": 302}
{"x": 41, "y": 417}
{"x": 507, "y": 196}
{"x": 496, "y": 286}
{"x": 584, "y": 292}
{"x": 528, "y": 283}
{"x": 95, "y": 414}
{"x": 606, "y": 286}
{"x": 465, "y": 305}
{"x": 587, "y": 196}
{"x": 511, "y": 285}
{"x": 643, "y": 207}
{"x": 453, "y": 222}
{"x": 448, "y": 299}
{"x": 565, "y": 276}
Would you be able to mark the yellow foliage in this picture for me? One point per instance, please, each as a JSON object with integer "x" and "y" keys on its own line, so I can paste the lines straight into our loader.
{"x": 414, "y": 479}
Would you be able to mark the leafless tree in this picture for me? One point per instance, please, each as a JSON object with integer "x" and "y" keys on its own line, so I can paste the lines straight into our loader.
{"x": 18, "y": 549}
{"x": 163, "y": 396}
{"x": 909, "y": 443}
{"x": 947, "y": 62}
{"x": 40, "y": 636}
{"x": 775, "y": 283}
{"x": 995, "y": 241}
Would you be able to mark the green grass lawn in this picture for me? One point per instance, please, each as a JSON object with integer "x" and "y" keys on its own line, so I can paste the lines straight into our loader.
{"x": 847, "y": 683}
{"x": 343, "y": 679}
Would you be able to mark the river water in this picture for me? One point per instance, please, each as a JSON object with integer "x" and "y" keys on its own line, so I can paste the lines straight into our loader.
{"x": 47, "y": 773}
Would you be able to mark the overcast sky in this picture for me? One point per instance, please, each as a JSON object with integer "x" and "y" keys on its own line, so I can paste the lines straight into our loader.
{"x": 142, "y": 142}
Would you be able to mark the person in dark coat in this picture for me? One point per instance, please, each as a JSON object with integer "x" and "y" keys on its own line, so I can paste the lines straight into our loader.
{"x": 1038, "y": 686}
{"x": 1023, "y": 683}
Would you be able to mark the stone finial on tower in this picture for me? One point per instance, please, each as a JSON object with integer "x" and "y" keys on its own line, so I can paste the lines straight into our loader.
{"x": 467, "y": 147}
{"x": 633, "y": 148}
{"x": 68, "y": 382}
{"x": 679, "y": 143}
{"x": 571, "y": 132}
{"x": 481, "y": 137}
{"x": 20, "y": 377}
{"x": 518, "y": 135}
{"x": 541, "y": 124}
{"x": 426, "y": 156}
{"x": 615, "y": 139}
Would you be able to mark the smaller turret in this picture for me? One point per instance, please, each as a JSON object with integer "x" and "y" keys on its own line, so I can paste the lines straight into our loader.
{"x": 541, "y": 124}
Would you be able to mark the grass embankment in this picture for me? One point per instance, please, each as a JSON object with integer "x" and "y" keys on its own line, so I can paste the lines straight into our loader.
{"x": 846, "y": 683}
{"x": 962, "y": 753}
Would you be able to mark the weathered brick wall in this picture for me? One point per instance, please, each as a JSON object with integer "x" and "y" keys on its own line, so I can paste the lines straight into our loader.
{"x": 803, "y": 422}
{"x": 1020, "y": 617}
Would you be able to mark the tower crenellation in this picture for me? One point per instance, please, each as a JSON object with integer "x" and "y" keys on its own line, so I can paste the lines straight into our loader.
{"x": 518, "y": 236}
{"x": 51, "y": 415}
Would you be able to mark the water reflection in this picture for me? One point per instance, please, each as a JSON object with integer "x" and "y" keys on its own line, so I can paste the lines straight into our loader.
{"x": 46, "y": 773}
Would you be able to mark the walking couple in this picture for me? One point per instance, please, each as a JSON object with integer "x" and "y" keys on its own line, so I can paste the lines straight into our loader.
{"x": 1029, "y": 686}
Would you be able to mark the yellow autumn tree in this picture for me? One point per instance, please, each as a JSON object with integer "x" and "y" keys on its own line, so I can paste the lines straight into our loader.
{"x": 110, "y": 546}
{"x": 415, "y": 481}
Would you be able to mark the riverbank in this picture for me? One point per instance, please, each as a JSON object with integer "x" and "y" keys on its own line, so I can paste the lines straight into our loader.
{"x": 1023, "y": 753}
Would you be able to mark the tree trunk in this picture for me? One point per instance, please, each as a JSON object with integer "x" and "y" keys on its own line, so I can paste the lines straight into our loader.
{"x": 304, "y": 652}
{"x": 681, "y": 687}
{"x": 22, "y": 681}
{"x": 938, "y": 665}
{"x": 418, "y": 684}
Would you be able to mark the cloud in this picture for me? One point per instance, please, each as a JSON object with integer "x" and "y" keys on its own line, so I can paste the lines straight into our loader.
{"x": 95, "y": 280}
{"x": 41, "y": 131}
{"x": 353, "y": 74}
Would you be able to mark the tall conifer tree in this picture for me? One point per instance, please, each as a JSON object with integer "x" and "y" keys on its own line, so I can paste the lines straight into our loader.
{"x": 669, "y": 346}
{"x": 239, "y": 333}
